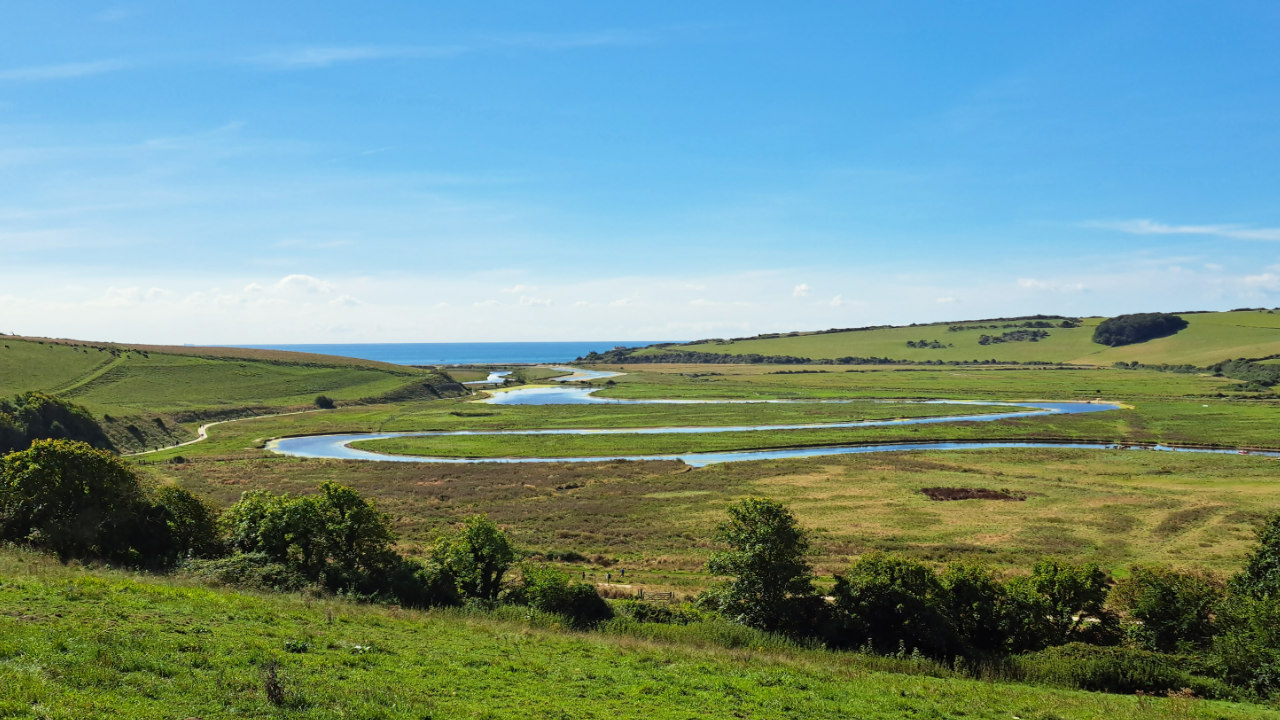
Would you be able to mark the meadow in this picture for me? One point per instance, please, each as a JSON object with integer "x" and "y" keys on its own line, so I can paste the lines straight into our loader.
{"x": 96, "y": 643}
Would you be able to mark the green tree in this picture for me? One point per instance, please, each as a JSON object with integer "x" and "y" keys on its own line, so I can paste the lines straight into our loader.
{"x": 478, "y": 557}
{"x": 71, "y": 498}
{"x": 978, "y": 607}
{"x": 894, "y": 603}
{"x": 1260, "y": 577}
{"x": 551, "y": 590}
{"x": 766, "y": 559}
{"x": 1060, "y": 603}
{"x": 1174, "y": 608}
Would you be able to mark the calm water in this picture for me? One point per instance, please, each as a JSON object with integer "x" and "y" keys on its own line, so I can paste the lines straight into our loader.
{"x": 339, "y": 446}
{"x": 490, "y": 353}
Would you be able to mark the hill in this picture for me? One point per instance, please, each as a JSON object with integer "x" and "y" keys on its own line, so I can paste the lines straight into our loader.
{"x": 106, "y": 644}
{"x": 150, "y": 395}
{"x": 1210, "y": 337}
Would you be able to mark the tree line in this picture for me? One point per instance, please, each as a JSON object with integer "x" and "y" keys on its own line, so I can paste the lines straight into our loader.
{"x": 80, "y": 502}
{"x": 1228, "y": 632}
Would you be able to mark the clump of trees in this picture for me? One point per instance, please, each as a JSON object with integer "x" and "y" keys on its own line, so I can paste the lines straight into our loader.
{"x": 35, "y": 415}
{"x": 1136, "y": 328}
{"x": 1059, "y": 617}
{"x": 81, "y": 502}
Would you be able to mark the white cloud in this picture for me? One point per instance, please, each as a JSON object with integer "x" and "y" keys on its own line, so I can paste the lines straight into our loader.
{"x": 304, "y": 283}
{"x": 527, "y": 301}
{"x": 945, "y": 300}
{"x": 801, "y": 290}
{"x": 322, "y": 57}
{"x": 836, "y": 301}
{"x": 63, "y": 71}
{"x": 1264, "y": 281}
{"x": 516, "y": 289}
{"x": 1151, "y": 227}
{"x": 1051, "y": 285}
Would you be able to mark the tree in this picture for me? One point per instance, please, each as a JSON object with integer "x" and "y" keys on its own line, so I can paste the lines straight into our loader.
{"x": 324, "y": 402}
{"x": 1260, "y": 577}
{"x": 336, "y": 537}
{"x": 69, "y": 497}
{"x": 892, "y": 604}
{"x": 1174, "y": 608}
{"x": 478, "y": 557}
{"x": 766, "y": 558}
{"x": 978, "y": 607}
{"x": 1136, "y": 328}
{"x": 1060, "y": 603}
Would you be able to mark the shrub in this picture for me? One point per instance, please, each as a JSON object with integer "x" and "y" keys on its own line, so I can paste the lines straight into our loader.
{"x": 477, "y": 557}
{"x": 1260, "y": 577}
{"x": 893, "y": 604}
{"x": 255, "y": 571}
{"x": 1246, "y": 650}
{"x": 1116, "y": 670}
{"x": 324, "y": 402}
{"x": 70, "y": 498}
{"x": 549, "y": 589}
{"x": 1174, "y": 608}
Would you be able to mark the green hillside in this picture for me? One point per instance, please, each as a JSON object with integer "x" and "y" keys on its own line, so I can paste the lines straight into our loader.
{"x": 149, "y": 392}
{"x": 1209, "y": 338}
{"x": 105, "y": 644}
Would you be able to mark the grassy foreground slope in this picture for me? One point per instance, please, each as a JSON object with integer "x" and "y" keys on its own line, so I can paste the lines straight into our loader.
{"x": 1209, "y": 338}
{"x": 77, "y": 644}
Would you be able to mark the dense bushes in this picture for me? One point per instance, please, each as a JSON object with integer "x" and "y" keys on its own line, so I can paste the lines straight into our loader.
{"x": 34, "y": 416}
{"x": 81, "y": 502}
{"x": 1062, "y": 623}
{"x": 550, "y": 590}
{"x": 1136, "y": 328}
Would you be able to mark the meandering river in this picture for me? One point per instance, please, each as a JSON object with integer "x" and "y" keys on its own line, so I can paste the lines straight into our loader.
{"x": 338, "y": 446}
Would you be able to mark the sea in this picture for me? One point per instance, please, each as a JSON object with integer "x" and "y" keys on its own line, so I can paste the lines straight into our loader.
{"x": 483, "y": 353}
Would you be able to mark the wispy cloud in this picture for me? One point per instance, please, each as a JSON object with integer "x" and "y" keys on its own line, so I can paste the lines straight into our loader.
{"x": 316, "y": 57}
{"x": 322, "y": 57}
{"x": 1151, "y": 227}
{"x": 62, "y": 71}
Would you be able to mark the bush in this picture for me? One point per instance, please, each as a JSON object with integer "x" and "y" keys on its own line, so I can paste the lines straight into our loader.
{"x": 1136, "y": 328}
{"x": 1260, "y": 577}
{"x": 336, "y": 538}
{"x": 893, "y": 604}
{"x": 549, "y": 589}
{"x": 648, "y": 612}
{"x": 1246, "y": 650}
{"x": 255, "y": 571}
{"x": 324, "y": 402}
{"x": 1173, "y": 608}
{"x": 477, "y": 557}
{"x": 70, "y": 498}
{"x": 1116, "y": 670}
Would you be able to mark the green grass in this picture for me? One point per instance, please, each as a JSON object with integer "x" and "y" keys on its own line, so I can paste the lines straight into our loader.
{"x": 1113, "y": 507}
{"x": 102, "y": 644}
{"x": 1209, "y": 338}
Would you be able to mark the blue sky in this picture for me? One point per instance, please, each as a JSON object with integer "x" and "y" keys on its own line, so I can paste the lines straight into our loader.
{"x": 237, "y": 172}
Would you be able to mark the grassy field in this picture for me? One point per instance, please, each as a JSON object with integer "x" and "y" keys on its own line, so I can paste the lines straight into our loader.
{"x": 1114, "y": 507}
{"x": 149, "y": 397}
{"x": 1209, "y": 338}
{"x": 101, "y": 644}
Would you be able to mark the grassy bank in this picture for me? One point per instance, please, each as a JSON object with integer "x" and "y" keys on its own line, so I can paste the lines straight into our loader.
{"x": 104, "y": 644}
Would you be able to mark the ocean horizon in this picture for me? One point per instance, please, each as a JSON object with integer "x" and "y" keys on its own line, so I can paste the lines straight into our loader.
{"x": 479, "y": 353}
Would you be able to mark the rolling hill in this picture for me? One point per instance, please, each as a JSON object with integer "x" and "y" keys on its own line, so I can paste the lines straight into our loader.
{"x": 150, "y": 395}
{"x": 1209, "y": 338}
